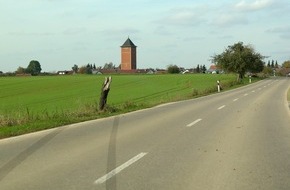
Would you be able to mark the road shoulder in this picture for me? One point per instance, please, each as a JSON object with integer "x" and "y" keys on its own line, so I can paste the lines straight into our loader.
{"x": 288, "y": 97}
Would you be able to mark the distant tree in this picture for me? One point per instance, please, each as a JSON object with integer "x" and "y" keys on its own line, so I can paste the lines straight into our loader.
{"x": 109, "y": 66}
{"x": 240, "y": 59}
{"x": 286, "y": 64}
{"x": 173, "y": 69}
{"x": 34, "y": 68}
{"x": 75, "y": 68}
{"x": 89, "y": 69}
{"x": 20, "y": 70}
{"x": 204, "y": 69}
{"x": 284, "y": 69}
{"x": 267, "y": 71}
{"x": 198, "y": 69}
{"x": 272, "y": 64}
{"x": 82, "y": 69}
{"x": 94, "y": 67}
{"x": 276, "y": 64}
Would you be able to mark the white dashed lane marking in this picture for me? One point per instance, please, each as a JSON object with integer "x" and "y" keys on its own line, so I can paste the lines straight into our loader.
{"x": 193, "y": 123}
{"x": 120, "y": 168}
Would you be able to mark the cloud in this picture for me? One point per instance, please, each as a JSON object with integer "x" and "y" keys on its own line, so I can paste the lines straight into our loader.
{"x": 122, "y": 31}
{"x": 226, "y": 37}
{"x": 194, "y": 38}
{"x": 283, "y": 32}
{"x": 74, "y": 31}
{"x": 183, "y": 16}
{"x": 284, "y": 29}
{"x": 163, "y": 31}
{"x": 226, "y": 20}
{"x": 31, "y": 33}
{"x": 253, "y": 6}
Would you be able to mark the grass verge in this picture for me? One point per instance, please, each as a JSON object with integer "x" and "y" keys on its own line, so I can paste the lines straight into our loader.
{"x": 53, "y": 101}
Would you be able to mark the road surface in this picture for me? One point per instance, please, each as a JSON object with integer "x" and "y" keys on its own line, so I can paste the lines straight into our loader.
{"x": 239, "y": 139}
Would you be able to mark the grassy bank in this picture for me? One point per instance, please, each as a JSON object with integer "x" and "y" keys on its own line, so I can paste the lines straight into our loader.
{"x": 30, "y": 104}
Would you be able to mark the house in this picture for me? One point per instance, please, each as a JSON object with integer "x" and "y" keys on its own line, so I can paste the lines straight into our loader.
{"x": 213, "y": 69}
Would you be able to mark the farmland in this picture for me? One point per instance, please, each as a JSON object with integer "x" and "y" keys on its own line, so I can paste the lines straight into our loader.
{"x": 34, "y": 103}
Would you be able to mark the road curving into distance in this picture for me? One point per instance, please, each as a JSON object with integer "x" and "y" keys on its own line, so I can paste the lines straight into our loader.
{"x": 239, "y": 139}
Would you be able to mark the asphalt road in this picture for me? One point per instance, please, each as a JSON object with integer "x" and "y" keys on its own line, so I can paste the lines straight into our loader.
{"x": 233, "y": 140}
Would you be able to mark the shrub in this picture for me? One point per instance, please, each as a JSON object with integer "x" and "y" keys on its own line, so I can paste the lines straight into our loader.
{"x": 173, "y": 69}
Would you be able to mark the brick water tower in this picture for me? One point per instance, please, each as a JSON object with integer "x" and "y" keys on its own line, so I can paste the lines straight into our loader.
{"x": 128, "y": 55}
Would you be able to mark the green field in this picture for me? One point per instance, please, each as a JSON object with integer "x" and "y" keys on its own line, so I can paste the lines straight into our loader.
{"x": 34, "y": 103}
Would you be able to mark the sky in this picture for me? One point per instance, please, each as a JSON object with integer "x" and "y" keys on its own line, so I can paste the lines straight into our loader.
{"x": 186, "y": 33}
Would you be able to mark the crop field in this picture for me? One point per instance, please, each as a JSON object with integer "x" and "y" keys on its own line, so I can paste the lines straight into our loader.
{"x": 33, "y": 103}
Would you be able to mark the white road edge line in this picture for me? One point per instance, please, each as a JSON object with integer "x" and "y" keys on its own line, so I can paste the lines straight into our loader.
{"x": 246, "y": 94}
{"x": 235, "y": 99}
{"x": 120, "y": 168}
{"x": 221, "y": 107}
{"x": 193, "y": 123}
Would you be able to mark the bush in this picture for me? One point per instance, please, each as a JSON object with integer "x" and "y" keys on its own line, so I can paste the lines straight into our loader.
{"x": 173, "y": 69}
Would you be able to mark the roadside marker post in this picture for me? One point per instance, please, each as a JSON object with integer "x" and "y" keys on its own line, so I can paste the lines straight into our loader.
{"x": 218, "y": 85}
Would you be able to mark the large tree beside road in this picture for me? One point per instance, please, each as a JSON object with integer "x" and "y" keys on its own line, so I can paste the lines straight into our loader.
{"x": 239, "y": 58}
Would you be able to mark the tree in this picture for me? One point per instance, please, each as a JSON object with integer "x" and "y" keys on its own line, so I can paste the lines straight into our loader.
{"x": 173, "y": 69}
{"x": 285, "y": 69}
{"x": 20, "y": 70}
{"x": 197, "y": 69}
{"x": 75, "y": 68}
{"x": 82, "y": 69}
{"x": 276, "y": 64}
{"x": 272, "y": 64}
{"x": 267, "y": 70}
{"x": 89, "y": 69}
{"x": 240, "y": 59}
{"x": 203, "y": 69}
{"x": 34, "y": 67}
{"x": 286, "y": 64}
{"x": 109, "y": 66}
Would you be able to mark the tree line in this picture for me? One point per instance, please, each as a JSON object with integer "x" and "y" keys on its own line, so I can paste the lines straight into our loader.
{"x": 237, "y": 58}
{"x": 174, "y": 69}
{"x": 89, "y": 68}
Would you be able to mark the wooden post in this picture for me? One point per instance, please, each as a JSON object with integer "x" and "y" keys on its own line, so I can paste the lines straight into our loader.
{"x": 104, "y": 92}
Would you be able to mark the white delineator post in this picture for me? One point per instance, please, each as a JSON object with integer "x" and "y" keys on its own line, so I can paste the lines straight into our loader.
{"x": 250, "y": 79}
{"x": 218, "y": 85}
